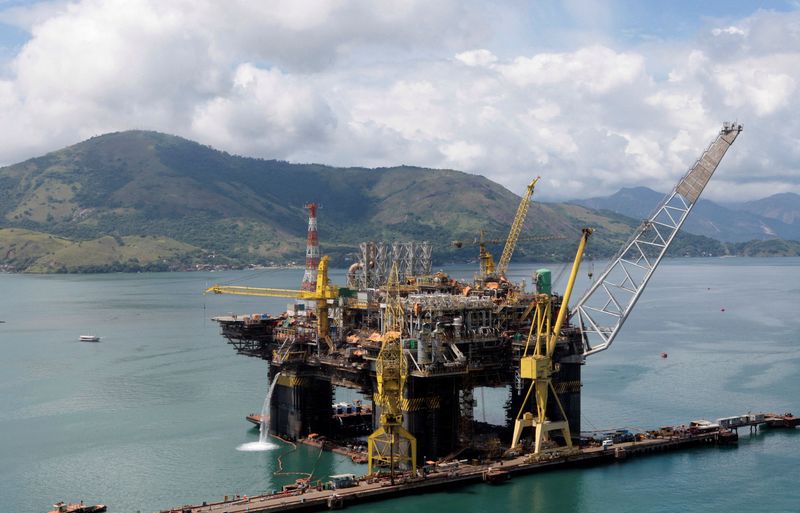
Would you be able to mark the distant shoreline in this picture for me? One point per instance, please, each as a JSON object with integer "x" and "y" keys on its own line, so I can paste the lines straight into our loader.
{"x": 299, "y": 267}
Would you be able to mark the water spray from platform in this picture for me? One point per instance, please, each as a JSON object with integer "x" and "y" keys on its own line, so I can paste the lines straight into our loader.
{"x": 263, "y": 443}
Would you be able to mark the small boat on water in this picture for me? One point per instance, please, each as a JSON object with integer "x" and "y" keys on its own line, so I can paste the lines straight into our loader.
{"x": 255, "y": 418}
{"x": 89, "y": 338}
{"x": 61, "y": 507}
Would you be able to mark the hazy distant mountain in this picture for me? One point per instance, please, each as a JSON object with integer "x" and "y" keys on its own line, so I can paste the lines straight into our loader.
{"x": 144, "y": 200}
{"x": 774, "y": 217}
{"x": 784, "y": 207}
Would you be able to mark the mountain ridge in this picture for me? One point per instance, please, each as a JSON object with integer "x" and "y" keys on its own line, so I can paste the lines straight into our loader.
{"x": 152, "y": 201}
{"x": 776, "y": 216}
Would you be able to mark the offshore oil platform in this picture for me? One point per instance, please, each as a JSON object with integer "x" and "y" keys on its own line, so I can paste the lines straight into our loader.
{"x": 418, "y": 343}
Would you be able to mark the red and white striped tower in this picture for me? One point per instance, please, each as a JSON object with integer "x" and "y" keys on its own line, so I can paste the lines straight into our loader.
{"x": 312, "y": 251}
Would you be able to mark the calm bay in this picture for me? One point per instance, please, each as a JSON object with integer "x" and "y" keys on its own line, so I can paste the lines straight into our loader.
{"x": 150, "y": 417}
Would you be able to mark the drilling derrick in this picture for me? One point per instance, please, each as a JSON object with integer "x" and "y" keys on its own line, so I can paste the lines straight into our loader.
{"x": 391, "y": 445}
{"x": 312, "y": 251}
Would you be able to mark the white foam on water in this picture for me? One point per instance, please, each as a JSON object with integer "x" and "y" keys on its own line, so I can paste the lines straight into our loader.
{"x": 257, "y": 446}
{"x": 263, "y": 429}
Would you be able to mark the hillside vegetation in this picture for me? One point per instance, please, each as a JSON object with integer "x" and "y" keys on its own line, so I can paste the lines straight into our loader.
{"x": 41, "y": 252}
{"x": 141, "y": 200}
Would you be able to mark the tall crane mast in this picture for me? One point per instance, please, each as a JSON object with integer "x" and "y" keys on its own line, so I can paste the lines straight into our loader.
{"x": 605, "y": 306}
{"x": 516, "y": 228}
{"x": 391, "y": 444}
{"x": 539, "y": 367}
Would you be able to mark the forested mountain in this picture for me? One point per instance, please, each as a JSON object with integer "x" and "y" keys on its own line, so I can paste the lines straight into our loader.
{"x": 145, "y": 200}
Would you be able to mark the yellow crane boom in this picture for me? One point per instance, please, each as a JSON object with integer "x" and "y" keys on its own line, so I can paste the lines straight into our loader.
{"x": 539, "y": 367}
{"x": 516, "y": 228}
{"x": 324, "y": 289}
{"x": 321, "y": 295}
{"x": 257, "y": 291}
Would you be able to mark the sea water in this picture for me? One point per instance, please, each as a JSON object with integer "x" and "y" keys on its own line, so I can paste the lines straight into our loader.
{"x": 151, "y": 416}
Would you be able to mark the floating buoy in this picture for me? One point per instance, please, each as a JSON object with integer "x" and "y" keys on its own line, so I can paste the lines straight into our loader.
{"x": 721, "y": 309}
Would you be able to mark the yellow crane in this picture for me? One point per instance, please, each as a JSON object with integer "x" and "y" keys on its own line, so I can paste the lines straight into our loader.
{"x": 539, "y": 368}
{"x": 324, "y": 292}
{"x": 516, "y": 228}
{"x": 485, "y": 258}
{"x": 391, "y": 444}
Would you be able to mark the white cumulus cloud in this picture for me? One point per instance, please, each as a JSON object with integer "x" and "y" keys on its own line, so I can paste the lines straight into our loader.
{"x": 354, "y": 82}
{"x": 477, "y": 57}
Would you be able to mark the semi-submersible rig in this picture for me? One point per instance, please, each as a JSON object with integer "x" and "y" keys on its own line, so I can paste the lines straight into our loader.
{"x": 418, "y": 343}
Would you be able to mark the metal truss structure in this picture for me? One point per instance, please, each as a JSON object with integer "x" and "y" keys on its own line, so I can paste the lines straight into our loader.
{"x": 605, "y": 306}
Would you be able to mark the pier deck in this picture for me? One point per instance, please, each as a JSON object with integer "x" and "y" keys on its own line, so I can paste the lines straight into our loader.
{"x": 312, "y": 499}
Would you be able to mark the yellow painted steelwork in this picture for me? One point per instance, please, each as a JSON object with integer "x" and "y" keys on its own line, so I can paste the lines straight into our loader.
{"x": 486, "y": 262}
{"x": 516, "y": 228}
{"x": 539, "y": 368}
{"x": 485, "y": 258}
{"x": 391, "y": 444}
{"x": 321, "y": 295}
{"x": 255, "y": 291}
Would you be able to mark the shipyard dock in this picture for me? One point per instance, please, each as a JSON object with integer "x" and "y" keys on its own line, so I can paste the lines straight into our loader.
{"x": 443, "y": 475}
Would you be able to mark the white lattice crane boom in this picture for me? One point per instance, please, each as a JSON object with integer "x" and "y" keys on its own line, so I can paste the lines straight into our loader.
{"x": 605, "y": 306}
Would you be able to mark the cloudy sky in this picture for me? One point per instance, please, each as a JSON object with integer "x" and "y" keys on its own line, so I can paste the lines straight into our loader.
{"x": 592, "y": 95}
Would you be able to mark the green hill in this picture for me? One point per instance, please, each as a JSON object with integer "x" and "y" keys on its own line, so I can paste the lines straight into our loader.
{"x": 40, "y": 252}
{"x": 146, "y": 200}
